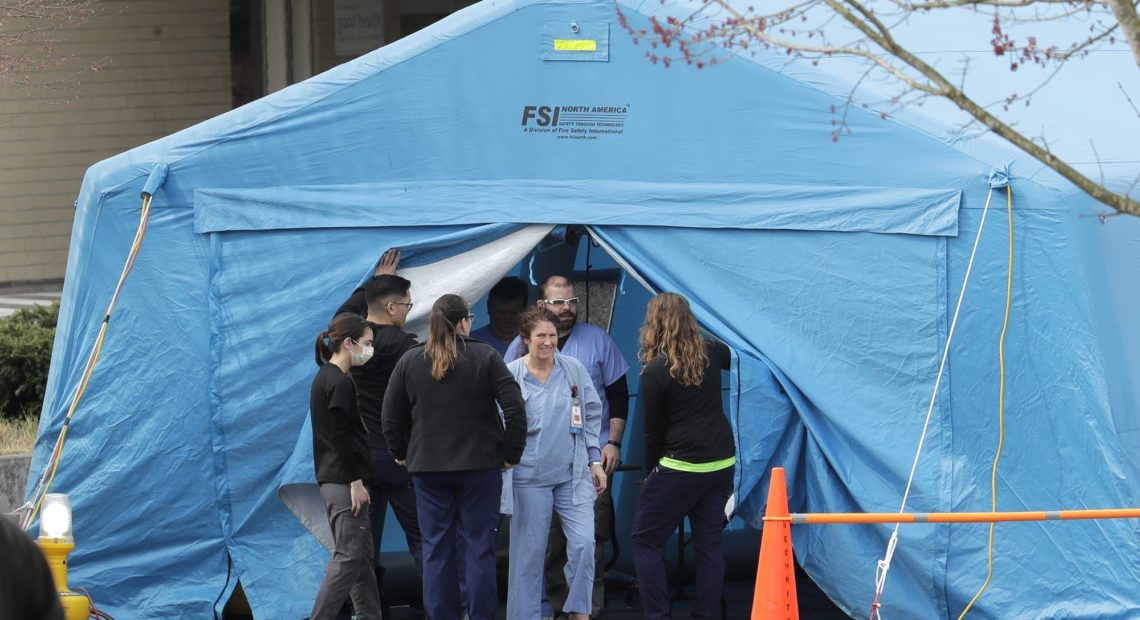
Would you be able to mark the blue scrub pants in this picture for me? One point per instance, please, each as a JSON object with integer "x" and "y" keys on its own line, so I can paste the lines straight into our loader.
{"x": 530, "y": 529}
{"x": 462, "y": 505}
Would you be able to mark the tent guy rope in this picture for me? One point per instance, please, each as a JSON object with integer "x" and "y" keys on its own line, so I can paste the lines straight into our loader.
{"x": 31, "y": 509}
{"x": 883, "y": 566}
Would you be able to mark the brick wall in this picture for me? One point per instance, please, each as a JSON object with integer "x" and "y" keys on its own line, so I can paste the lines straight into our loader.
{"x": 163, "y": 65}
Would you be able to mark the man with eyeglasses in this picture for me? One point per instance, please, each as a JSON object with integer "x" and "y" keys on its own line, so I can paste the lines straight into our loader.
{"x": 385, "y": 301}
{"x": 597, "y": 351}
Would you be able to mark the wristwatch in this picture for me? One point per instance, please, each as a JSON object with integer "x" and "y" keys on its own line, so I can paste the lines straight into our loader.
{"x": 592, "y": 463}
{"x": 616, "y": 444}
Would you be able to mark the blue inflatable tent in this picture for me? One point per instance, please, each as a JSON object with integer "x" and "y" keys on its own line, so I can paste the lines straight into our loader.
{"x": 832, "y": 269}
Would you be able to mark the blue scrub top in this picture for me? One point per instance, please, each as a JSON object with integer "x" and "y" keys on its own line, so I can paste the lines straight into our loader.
{"x": 597, "y": 351}
{"x": 486, "y": 335}
{"x": 548, "y": 458}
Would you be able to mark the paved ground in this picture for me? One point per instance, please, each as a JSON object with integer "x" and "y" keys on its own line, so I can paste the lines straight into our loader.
{"x": 814, "y": 605}
{"x": 11, "y": 302}
{"x": 622, "y": 602}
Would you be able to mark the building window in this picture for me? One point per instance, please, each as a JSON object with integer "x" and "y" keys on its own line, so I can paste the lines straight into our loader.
{"x": 247, "y": 56}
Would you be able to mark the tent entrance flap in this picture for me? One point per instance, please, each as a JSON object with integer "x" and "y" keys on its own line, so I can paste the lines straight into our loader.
{"x": 788, "y": 310}
{"x": 268, "y": 301}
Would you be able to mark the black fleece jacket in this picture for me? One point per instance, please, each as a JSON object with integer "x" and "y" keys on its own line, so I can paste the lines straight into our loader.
{"x": 453, "y": 424}
{"x": 686, "y": 422}
{"x": 389, "y": 345}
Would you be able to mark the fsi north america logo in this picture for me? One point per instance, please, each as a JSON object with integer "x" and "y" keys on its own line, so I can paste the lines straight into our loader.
{"x": 575, "y": 122}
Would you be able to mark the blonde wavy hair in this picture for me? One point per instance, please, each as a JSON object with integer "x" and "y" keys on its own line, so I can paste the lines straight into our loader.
{"x": 671, "y": 331}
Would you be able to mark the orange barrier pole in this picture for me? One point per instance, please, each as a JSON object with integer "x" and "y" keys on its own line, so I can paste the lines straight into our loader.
{"x": 775, "y": 594}
{"x": 954, "y": 517}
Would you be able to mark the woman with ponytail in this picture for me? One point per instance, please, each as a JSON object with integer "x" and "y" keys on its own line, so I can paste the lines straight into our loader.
{"x": 343, "y": 464}
{"x": 441, "y": 420}
{"x": 689, "y": 451}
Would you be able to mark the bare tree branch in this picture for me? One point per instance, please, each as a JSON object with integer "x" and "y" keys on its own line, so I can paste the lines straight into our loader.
{"x": 1088, "y": 43}
{"x": 947, "y": 4}
{"x": 1125, "y": 13}
{"x": 754, "y": 28}
{"x": 879, "y": 47}
{"x": 968, "y": 105}
{"x": 1099, "y": 165}
{"x": 1015, "y": 97}
{"x": 1129, "y": 99}
{"x": 29, "y": 32}
{"x": 841, "y": 125}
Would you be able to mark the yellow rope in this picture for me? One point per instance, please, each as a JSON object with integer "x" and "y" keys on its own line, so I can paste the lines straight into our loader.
{"x": 1001, "y": 407}
{"x": 48, "y": 477}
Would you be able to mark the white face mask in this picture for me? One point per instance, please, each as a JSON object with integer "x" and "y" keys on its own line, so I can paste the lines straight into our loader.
{"x": 363, "y": 356}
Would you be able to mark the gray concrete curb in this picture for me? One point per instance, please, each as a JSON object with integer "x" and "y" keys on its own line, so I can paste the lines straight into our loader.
{"x": 13, "y": 480}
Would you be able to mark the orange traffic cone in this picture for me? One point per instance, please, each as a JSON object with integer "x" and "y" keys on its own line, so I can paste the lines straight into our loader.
{"x": 775, "y": 595}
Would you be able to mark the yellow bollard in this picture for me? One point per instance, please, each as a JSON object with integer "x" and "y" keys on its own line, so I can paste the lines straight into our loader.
{"x": 75, "y": 606}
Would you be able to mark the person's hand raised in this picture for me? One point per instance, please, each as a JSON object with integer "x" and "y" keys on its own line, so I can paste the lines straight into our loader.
{"x": 389, "y": 262}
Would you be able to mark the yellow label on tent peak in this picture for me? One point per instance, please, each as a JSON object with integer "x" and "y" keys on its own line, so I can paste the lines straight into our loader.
{"x": 575, "y": 45}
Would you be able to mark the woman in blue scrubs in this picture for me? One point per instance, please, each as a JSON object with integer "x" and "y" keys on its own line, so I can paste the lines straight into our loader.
{"x": 560, "y": 470}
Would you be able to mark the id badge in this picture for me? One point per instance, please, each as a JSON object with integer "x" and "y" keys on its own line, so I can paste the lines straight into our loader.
{"x": 575, "y": 412}
{"x": 576, "y": 419}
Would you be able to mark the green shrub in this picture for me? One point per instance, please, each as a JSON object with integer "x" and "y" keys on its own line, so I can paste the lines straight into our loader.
{"x": 26, "y": 339}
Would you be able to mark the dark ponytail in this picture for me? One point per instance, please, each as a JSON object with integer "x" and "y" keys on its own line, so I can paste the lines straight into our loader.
{"x": 446, "y": 313}
{"x": 343, "y": 325}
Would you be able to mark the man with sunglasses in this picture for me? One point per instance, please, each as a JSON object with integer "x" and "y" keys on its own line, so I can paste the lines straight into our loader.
{"x": 385, "y": 301}
{"x": 597, "y": 351}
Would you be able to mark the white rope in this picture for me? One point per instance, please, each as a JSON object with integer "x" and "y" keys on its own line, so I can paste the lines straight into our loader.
{"x": 883, "y": 566}
{"x": 21, "y": 510}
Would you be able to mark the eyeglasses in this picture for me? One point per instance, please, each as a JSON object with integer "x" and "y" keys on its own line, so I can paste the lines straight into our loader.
{"x": 559, "y": 303}
{"x": 470, "y": 317}
{"x": 403, "y": 303}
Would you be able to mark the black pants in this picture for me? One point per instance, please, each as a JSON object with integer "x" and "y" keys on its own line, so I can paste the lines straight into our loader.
{"x": 667, "y": 497}
{"x": 393, "y": 485}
